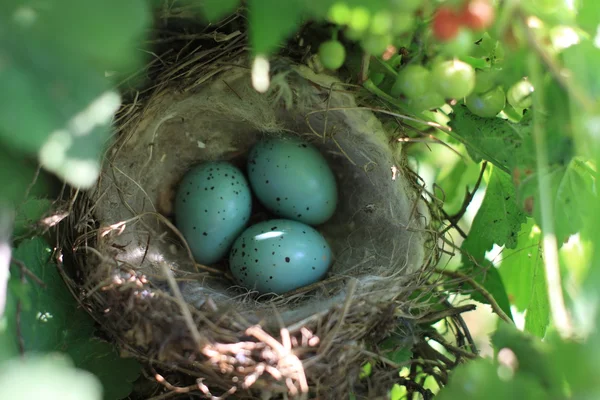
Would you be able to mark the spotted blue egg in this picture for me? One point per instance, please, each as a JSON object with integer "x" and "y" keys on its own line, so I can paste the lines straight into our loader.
{"x": 212, "y": 207}
{"x": 292, "y": 179}
{"x": 279, "y": 255}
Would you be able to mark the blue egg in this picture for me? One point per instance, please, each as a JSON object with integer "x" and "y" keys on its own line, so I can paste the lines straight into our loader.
{"x": 279, "y": 255}
{"x": 212, "y": 206}
{"x": 292, "y": 180}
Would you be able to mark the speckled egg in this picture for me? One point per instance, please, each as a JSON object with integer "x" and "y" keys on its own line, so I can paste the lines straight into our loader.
{"x": 292, "y": 180}
{"x": 279, "y": 255}
{"x": 212, "y": 206}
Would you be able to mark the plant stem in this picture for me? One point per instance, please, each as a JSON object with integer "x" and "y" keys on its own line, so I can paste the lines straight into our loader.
{"x": 558, "y": 309}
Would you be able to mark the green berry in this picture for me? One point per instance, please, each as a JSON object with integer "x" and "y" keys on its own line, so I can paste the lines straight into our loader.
{"x": 359, "y": 20}
{"x": 484, "y": 81}
{"x": 487, "y": 104}
{"x": 428, "y": 101}
{"x": 402, "y": 23}
{"x": 519, "y": 94}
{"x": 376, "y": 44}
{"x": 340, "y": 13}
{"x": 460, "y": 45}
{"x": 332, "y": 54}
{"x": 413, "y": 81}
{"x": 453, "y": 79}
{"x": 381, "y": 23}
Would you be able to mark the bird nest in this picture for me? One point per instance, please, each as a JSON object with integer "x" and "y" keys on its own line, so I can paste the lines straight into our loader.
{"x": 193, "y": 328}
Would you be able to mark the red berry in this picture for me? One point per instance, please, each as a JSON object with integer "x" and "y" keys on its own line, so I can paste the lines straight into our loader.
{"x": 446, "y": 24}
{"x": 477, "y": 14}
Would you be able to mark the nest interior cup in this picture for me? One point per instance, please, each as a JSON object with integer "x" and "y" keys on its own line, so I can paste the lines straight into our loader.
{"x": 379, "y": 233}
{"x": 376, "y": 232}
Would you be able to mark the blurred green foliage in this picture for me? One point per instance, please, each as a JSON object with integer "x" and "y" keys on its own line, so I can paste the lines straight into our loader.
{"x": 51, "y": 320}
{"x": 56, "y": 102}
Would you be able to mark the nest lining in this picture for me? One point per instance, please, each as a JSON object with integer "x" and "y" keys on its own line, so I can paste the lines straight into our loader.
{"x": 141, "y": 284}
{"x": 377, "y": 233}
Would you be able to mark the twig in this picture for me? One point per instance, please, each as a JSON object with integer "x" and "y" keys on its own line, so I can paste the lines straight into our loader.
{"x": 558, "y": 308}
{"x": 414, "y": 386}
{"x": 430, "y": 353}
{"x": 465, "y": 329}
{"x": 32, "y": 183}
{"x": 440, "y": 339}
{"x": 468, "y": 197}
{"x": 364, "y": 67}
{"x": 349, "y": 297}
{"x": 286, "y": 358}
{"x": 377, "y": 110}
{"x": 175, "y": 389}
{"x": 435, "y": 316}
{"x": 199, "y": 386}
{"x": 453, "y": 224}
{"x": 185, "y": 310}
{"x": 27, "y": 272}
{"x": 480, "y": 289}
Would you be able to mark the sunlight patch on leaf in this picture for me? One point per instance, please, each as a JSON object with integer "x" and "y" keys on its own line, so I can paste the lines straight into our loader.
{"x": 522, "y": 270}
{"x": 99, "y": 112}
{"x": 49, "y": 377}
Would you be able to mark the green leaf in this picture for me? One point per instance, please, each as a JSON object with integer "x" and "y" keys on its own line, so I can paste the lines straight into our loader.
{"x": 558, "y": 128}
{"x": 271, "y": 22}
{"x": 396, "y": 347}
{"x": 573, "y": 192}
{"x": 533, "y": 356}
{"x": 588, "y": 15}
{"x": 53, "y": 321}
{"x": 498, "y": 221}
{"x": 514, "y": 67}
{"x": 100, "y": 358}
{"x": 60, "y": 111}
{"x": 507, "y": 145}
{"x": 49, "y": 377}
{"x": 581, "y": 59}
{"x": 102, "y": 33}
{"x": 397, "y": 392}
{"x": 522, "y": 271}
{"x": 453, "y": 180}
{"x": 56, "y": 101}
{"x": 475, "y": 62}
{"x": 213, "y": 10}
{"x": 15, "y": 174}
{"x": 537, "y": 317}
{"x": 499, "y": 218}
{"x": 28, "y": 214}
{"x": 578, "y": 361}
